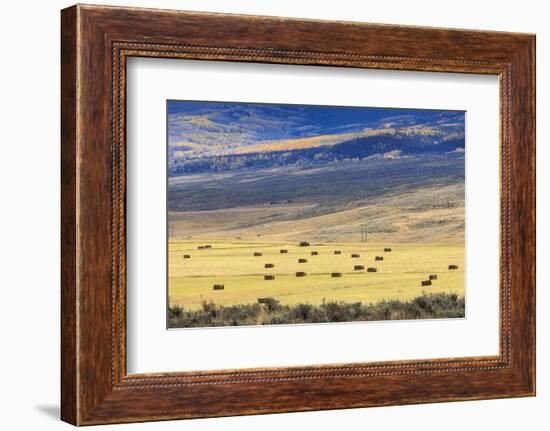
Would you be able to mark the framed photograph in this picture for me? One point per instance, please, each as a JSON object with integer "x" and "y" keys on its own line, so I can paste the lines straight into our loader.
{"x": 291, "y": 214}
{"x": 267, "y": 215}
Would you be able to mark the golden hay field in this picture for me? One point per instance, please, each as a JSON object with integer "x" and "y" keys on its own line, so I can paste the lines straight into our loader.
{"x": 233, "y": 264}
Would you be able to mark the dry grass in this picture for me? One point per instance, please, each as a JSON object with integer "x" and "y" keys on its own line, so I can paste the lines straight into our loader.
{"x": 420, "y": 216}
{"x": 232, "y": 263}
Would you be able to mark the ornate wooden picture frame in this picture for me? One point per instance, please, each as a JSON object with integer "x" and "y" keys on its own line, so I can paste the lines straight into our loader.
{"x": 96, "y": 41}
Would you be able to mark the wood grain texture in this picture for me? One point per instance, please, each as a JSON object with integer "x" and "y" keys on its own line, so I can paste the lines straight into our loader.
{"x": 69, "y": 397}
{"x": 96, "y": 41}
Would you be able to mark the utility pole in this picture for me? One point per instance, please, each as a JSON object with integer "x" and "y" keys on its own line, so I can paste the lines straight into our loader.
{"x": 171, "y": 230}
{"x": 363, "y": 233}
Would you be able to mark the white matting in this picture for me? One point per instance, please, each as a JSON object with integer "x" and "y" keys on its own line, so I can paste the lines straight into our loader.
{"x": 153, "y": 348}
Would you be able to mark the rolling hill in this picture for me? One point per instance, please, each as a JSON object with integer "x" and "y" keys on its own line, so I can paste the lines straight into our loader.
{"x": 277, "y": 173}
{"x": 385, "y": 142}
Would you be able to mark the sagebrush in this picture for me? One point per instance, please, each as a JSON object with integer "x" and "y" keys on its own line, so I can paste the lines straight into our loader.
{"x": 427, "y": 306}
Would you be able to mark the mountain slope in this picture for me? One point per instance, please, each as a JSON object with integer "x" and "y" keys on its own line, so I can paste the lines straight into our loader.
{"x": 389, "y": 142}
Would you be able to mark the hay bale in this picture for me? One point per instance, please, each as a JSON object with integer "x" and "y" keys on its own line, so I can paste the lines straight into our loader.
{"x": 218, "y": 287}
{"x": 187, "y": 256}
{"x": 282, "y": 251}
{"x": 371, "y": 270}
{"x": 336, "y": 274}
{"x": 269, "y": 265}
{"x": 433, "y": 277}
{"x": 304, "y": 244}
{"x": 358, "y": 267}
{"x": 269, "y": 277}
{"x": 300, "y": 274}
{"x": 257, "y": 253}
{"x": 355, "y": 255}
{"x": 453, "y": 266}
{"x": 337, "y": 252}
{"x": 426, "y": 283}
{"x": 302, "y": 260}
{"x": 314, "y": 253}
{"x": 387, "y": 249}
{"x": 379, "y": 258}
